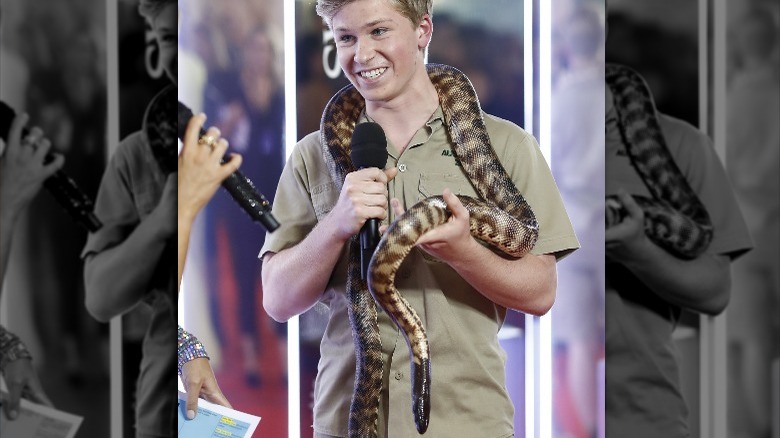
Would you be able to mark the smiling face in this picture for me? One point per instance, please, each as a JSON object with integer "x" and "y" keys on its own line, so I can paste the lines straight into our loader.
{"x": 379, "y": 49}
{"x": 165, "y": 31}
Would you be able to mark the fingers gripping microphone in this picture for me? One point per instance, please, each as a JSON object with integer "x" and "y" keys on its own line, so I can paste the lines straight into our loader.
{"x": 369, "y": 149}
{"x": 237, "y": 184}
{"x": 61, "y": 186}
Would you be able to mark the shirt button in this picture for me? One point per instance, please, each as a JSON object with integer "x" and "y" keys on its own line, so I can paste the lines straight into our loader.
{"x": 402, "y": 168}
{"x": 399, "y": 375}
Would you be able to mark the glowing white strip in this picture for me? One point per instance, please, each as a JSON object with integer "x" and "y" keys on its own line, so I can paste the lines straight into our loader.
{"x": 530, "y": 376}
{"x": 545, "y": 76}
{"x": 528, "y": 62}
{"x": 112, "y": 126}
{"x": 545, "y": 376}
{"x": 291, "y": 137}
{"x": 719, "y": 103}
{"x": 545, "y": 129}
{"x": 705, "y": 392}
{"x": 716, "y": 401}
{"x": 290, "y": 80}
{"x": 530, "y": 324}
{"x": 703, "y": 61}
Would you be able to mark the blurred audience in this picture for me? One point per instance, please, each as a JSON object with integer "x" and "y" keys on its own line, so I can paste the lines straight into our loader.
{"x": 753, "y": 161}
{"x": 578, "y": 166}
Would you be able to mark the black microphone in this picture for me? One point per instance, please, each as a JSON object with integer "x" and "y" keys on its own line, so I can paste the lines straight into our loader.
{"x": 61, "y": 186}
{"x": 237, "y": 184}
{"x": 369, "y": 149}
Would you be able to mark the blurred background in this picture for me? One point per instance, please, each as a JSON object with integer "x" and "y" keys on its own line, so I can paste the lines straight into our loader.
{"x": 663, "y": 41}
{"x": 57, "y": 73}
{"x": 231, "y": 68}
{"x": 54, "y": 65}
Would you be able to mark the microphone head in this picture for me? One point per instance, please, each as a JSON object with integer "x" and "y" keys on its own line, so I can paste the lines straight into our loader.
{"x": 185, "y": 114}
{"x": 369, "y": 146}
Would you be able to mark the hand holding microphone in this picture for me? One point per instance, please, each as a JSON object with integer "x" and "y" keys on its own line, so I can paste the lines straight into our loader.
{"x": 201, "y": 168}
{"x": 369, "y": 149}
{"x": 29, "y": 148}
{"x": 237, "y": 184}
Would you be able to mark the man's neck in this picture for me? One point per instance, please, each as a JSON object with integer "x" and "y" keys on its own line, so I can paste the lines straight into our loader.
{"x": 403, "y": 116}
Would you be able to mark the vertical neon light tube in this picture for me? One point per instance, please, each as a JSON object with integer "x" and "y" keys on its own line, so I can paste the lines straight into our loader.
{"x": 545, "y": 322}
{"x": 528, "y": 63}
{"x": 530, "y": 376}
{"x": 291, "y": 137}
{"x": 705, "y": 331}
{"x": 530, "y": 332}
{"x": 112, "y": 122}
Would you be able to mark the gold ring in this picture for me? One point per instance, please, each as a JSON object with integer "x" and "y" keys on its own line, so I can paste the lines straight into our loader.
{"x": 207, "y": 140}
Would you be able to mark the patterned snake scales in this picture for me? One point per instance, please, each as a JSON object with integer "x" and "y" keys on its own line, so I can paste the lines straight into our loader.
{"x": 675, "y": 218}
{"x": 505, "y": 221}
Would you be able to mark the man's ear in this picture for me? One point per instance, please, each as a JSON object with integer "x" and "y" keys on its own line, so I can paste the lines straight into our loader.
{"x": 425, "y": 31}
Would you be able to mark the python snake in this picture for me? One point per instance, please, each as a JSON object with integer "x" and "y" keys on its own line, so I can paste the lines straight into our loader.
{"x": 502, "y": 218}
{"x": 675, "y": 218}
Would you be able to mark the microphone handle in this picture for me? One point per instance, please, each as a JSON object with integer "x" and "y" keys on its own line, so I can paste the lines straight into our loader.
{"x": 70, "y": 197}
{"x": 250, "y": 199}
{"x": 246, "y": 195}
{"x": 369, "y": 239}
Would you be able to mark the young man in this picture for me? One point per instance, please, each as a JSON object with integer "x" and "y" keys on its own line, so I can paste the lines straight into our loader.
{"x": 129, "y": 261}
{"x": 647, "y": 286}
{"x": 460, "y": 289}
{"x": 22, "y": 173}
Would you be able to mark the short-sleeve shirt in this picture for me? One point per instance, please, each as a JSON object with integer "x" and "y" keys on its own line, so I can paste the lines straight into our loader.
{"x": 469, "y": 396}
{"x": 131, "y": 188}
{"x": 643, "y": 397}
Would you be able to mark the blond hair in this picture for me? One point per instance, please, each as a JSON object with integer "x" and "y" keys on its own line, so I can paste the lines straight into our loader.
{"x": 414, "y": 10}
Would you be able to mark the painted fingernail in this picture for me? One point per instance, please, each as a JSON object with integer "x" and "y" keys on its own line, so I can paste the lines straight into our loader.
{"x": 190, "y": 414}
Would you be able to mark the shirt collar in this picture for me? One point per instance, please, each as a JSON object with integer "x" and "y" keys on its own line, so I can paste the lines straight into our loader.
{"x": 434, "y": 123}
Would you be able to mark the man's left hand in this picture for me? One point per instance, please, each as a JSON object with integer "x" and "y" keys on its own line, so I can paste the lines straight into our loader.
{"x": 450, "y": 240}
{"x": 626, "y": 239}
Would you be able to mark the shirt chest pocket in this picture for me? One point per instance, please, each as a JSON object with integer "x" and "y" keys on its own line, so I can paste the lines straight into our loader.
{"x": 433, "y": 184}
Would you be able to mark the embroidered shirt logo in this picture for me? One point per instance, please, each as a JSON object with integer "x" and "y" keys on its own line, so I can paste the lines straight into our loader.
{"x": 449, "y": 153}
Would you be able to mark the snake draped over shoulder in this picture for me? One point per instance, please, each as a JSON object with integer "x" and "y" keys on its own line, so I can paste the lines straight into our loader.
{"x": 501, "y": 218}
{"x": 675, "y": 218}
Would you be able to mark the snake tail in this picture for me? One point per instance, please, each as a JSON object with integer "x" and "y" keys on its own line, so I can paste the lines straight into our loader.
{"x": 421, "y": 396}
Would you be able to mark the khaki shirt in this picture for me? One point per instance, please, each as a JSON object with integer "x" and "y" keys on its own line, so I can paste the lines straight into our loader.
{"x": 469, "y": 396}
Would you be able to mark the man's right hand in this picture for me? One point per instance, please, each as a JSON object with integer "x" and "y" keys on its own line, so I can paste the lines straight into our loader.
{"x": 363, "y": 196}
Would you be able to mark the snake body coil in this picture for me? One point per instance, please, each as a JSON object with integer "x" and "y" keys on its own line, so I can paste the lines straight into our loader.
{"x": 675, "y": 218}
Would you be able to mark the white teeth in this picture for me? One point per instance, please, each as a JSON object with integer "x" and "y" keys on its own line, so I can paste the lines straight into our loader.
{"x": 373, "y": 73}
